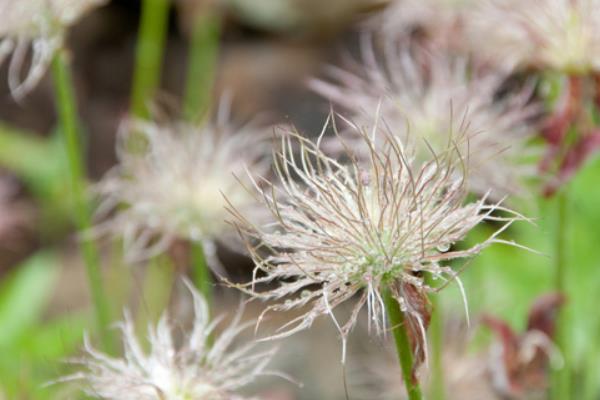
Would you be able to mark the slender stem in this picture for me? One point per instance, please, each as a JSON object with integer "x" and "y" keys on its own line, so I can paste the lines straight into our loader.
{"x": 203, "y": 53}
{"x": 199, "y": 82}
{"x": 67, "y": 110}
{"x": 405, "y": 356}
{"x": 560, "y": 244}
{"x": 149, "y": 54}
{"x": 436, "y": 337}
{"x": 562, "y": 378}
{"x": 201, "y": 272}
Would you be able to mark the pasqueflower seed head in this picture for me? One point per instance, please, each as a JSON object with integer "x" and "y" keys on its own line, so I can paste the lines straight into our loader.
{"x": 561, "y": 35}
{"x": 175, "y": 187}
{"x": 195, "y": 370}
{"x": 440, "y": 20}
{"x": 436, "y": 98}
{"x": 39, "y": 25}
{"x": 347, "y": 231}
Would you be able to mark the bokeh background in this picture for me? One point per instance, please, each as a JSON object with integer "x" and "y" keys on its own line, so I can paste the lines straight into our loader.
{"x": 268, "y": 49}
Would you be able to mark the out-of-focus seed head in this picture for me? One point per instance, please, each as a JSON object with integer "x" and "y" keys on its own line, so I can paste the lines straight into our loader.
{"x": 175, "y": 188}
{"x": 361, "y": 228}
{"x": 561, "y": 35}
{"x": 194, "y": 370}
{"x": 440, "y": 21}
{"x": 38, "y": 25}
{"x": 436, "y": 99}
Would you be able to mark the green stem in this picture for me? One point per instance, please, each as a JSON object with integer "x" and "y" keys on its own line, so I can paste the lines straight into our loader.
{"x": 201, "y": 272}
{"x": 405, "y": 356}
{"x": 149, "y": 54}
{"x": 560, "y": 244}
{"x": 203, "y": 53}
{"x": 67, "y": 110}
{"x": 562, "y": 377}
{"x": 436, "y": 337}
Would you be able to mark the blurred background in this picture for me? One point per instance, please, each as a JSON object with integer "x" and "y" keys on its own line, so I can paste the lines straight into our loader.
{"x": 267, "y": 51}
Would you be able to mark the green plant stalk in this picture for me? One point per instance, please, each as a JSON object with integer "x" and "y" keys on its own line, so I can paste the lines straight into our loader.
{"x": 436, "y": 337}
{"x": 202, "y": 58}
{"x": 67, "y": 111}
{"x": 149, "y": 55}
{"x": 562, "y": 389}
{"x": 403, "y": 348}
{"x": 201, "y": 271}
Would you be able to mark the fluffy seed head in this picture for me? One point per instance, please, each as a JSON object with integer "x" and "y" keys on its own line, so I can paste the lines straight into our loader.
{"x": 359, "y": 229}
{"x": 39, "y": 25}
{"x": 175, "y": 188}
{"x": 440, "y": 20}
{"x": 436, "y": 99}
{"x": 562, "y": 35}
{"x": 194, "y": 370}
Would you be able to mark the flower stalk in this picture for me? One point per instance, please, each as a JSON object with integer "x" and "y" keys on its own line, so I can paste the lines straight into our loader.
{"x": 201, "y": 271}
{"x": 203, "y": 53}
{"x": 561, "y": 389}
{"x": 67, "y": 110}
{"x": 196, "y": 103}
{"x": 436, "y": 338}
{"x": 149, "y": 54}
{"x": 403, "y": 348}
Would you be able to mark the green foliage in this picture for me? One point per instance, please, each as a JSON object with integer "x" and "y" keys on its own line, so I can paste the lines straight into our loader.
{"x": 41, "y": 164}
{"x": 33, "y": 348}
{"x": 505, "y": 280}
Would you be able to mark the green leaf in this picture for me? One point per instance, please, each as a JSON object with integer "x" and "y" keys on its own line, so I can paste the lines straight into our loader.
{"x": 24, "y": 295}
{"x": 36, "y": 160}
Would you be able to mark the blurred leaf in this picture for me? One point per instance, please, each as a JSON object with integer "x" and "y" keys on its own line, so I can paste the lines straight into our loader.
{"x": 38, "y": 357}
{"x": 41, "y": 164}
{"x": 24, "y": 295}
{"x": 55, "y": 339}
{"x": 158, "y": 280}
{"x": 36, "y": 160}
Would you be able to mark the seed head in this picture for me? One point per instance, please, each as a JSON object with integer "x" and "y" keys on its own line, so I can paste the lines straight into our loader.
{"x": 195, "y": 370}
{"x": 437, "y": 99}
{"x": 562, "y": 35}
{"x": 353, "y": 230}
{"x": 39, "y": 25}
{"x": 176, "y": 187}
{"x": 439, "y": 20}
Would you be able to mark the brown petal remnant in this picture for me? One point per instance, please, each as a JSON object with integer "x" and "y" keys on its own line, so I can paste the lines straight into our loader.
{"x": 417, "y": 326}
{"x": 565, "y": 155}
{"x": 520, "y": 362}
{"x": 349, "y": 230}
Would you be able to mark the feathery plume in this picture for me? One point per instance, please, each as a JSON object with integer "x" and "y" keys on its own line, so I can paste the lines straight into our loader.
{"x": 176, "y": 187}
{"x": 359, "y": 229}
{"x": 440, "y": 21}
{"x": 39, "y": 25}
{"x": 195, "y": 370}
{"x": 439, "y": 98}
{"x": 562, "y": 35}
